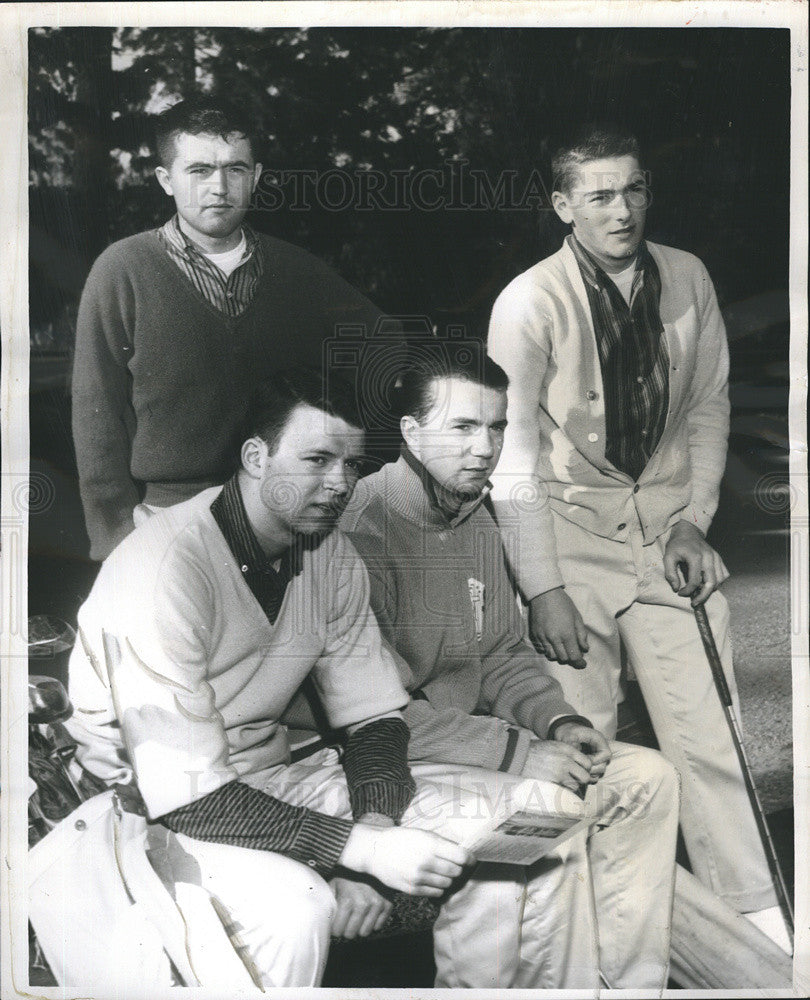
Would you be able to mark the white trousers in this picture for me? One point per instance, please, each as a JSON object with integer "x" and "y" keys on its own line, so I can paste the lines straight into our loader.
{"x": 504, "y": 926}
{"x": 620, "y": 590}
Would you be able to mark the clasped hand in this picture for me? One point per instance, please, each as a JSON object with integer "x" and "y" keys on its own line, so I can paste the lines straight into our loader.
{"x": 564, "y": 760}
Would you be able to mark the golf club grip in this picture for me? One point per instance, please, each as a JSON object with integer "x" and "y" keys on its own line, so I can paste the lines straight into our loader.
{"x": 707, "y": 638}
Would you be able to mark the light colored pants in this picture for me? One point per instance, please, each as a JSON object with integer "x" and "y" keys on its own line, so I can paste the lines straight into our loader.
{"x": 620, "y": 590}
{"x": 505, "y": 926}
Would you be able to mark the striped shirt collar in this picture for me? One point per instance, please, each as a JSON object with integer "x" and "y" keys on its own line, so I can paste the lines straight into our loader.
{"x": 229, "y": 512}
{"x": 229, "y": 295}
{"x": 595, "y": 275}
{"x": 177, "y": 239}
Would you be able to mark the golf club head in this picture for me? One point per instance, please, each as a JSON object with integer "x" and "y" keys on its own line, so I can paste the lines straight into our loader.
{"x": 49, "y": 636}
{"x": 48, "y": 701}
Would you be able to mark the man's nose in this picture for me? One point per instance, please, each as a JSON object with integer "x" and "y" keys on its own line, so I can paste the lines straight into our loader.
{"x": 483, "y": 443}
{"x": 218, "y": 181}
{"x": 337, "y": 479}
{"x": 622, "y": 204}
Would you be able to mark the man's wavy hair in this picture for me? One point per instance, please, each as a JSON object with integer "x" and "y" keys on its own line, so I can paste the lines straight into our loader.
{"x": 275, "y": 398}
{"x": 201, "y": 116}
{"x": 461, "y": 359}
{"x": 595, "y": 141}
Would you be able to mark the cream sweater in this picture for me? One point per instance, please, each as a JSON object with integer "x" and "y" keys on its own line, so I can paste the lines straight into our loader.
{"x": 174, "y": 646}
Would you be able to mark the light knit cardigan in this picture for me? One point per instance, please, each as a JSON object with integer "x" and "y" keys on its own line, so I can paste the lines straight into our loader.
{"x": 541, "y": 333}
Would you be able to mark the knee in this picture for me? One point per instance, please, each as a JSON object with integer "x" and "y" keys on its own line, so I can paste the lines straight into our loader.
{"x": 649, "y": 782}
{"x": 289, "y": 937}
{"x": 309, "y": 906}
{"x": 658, "y": 782}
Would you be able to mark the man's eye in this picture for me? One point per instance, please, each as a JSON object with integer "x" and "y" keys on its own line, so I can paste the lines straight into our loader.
{"x": 317, "y": 460}
{"x": 355, "y": 465}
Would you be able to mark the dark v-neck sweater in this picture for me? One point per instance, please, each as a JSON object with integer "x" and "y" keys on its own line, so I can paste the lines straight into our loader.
{"x": 161, "y": 377}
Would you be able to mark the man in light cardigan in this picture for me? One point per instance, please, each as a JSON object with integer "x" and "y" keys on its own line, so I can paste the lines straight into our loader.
{"x": 618, "y": 424}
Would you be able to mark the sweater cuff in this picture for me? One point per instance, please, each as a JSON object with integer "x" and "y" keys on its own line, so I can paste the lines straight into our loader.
{"x": 516, "y": 751}
{"x": 384, "y": 797}
{"x": 555, "y": 724}
{"x": 533, "y": 558}
{"x": 376, "y": 766}
{"x": 320, "y": 842}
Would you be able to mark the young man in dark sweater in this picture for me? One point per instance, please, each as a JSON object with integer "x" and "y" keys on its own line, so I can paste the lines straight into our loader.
{"x": 178, "y": 324}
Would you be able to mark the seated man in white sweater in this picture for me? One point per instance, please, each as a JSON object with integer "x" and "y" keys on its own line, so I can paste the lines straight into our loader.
{"x": 201, "y": 627}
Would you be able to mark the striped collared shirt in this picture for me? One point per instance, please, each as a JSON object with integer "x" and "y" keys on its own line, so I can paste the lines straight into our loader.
{"x": 267, "y": 584}
{"x": 633, "y": 357}
{"x": 231, "y": 295}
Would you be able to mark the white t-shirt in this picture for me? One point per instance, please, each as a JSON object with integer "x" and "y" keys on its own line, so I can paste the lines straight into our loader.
{"x": 624, "y": 281}
{"x": 229, "y": 261}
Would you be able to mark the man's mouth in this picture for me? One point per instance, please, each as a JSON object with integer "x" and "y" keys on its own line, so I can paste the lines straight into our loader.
{"x": 330, "y": 509}
{"x": 626, "y": 231}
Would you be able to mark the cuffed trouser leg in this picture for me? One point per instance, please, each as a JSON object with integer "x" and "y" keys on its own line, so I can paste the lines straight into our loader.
{"x": 280, "y": 909}
{"x": 632, "y": 854}
{"x": 719, "y": 828}
{"x": 620, "y": 590}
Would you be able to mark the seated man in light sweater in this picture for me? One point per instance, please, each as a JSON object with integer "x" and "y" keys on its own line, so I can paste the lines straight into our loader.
{"x": 201, "y": 627}
{"x": 480, "y": 695}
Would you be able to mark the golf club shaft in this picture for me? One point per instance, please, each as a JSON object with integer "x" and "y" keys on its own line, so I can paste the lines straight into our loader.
{"x": 724, "y": 692}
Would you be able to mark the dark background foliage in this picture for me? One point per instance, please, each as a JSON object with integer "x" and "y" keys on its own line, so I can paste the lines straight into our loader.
{"x": 710, "y": 105}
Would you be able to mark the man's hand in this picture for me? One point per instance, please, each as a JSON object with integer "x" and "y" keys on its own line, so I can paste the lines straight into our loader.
{"x": 418, "y": 862}
{"x": 703, "y": 569}
{"x": 361, "y": 909}
{"x": 556, "y": 628}
{"x": 588, "y": 741}
{"x": 558, "y": 762}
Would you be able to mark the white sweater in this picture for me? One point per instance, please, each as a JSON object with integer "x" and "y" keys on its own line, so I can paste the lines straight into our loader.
{"x": 174, "y": 646}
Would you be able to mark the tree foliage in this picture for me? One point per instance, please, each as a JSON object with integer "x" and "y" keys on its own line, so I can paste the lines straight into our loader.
{"x": 710, "y": 105}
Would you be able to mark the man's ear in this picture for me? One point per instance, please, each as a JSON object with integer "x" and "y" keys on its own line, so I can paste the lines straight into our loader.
{"x": 164, "y": 180}
{"x": 561, "y": 206}
{"x": 408, "y": 427}
{"x": 253, "y": 454}
{"x": 257, "y": 172}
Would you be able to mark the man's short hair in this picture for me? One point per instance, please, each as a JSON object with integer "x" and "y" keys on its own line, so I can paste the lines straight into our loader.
{"x": 592, "y": 142}
{"x": 462, "y": 359}
{"x": 275, "y": 398}
{"x": 201, "y": 116}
